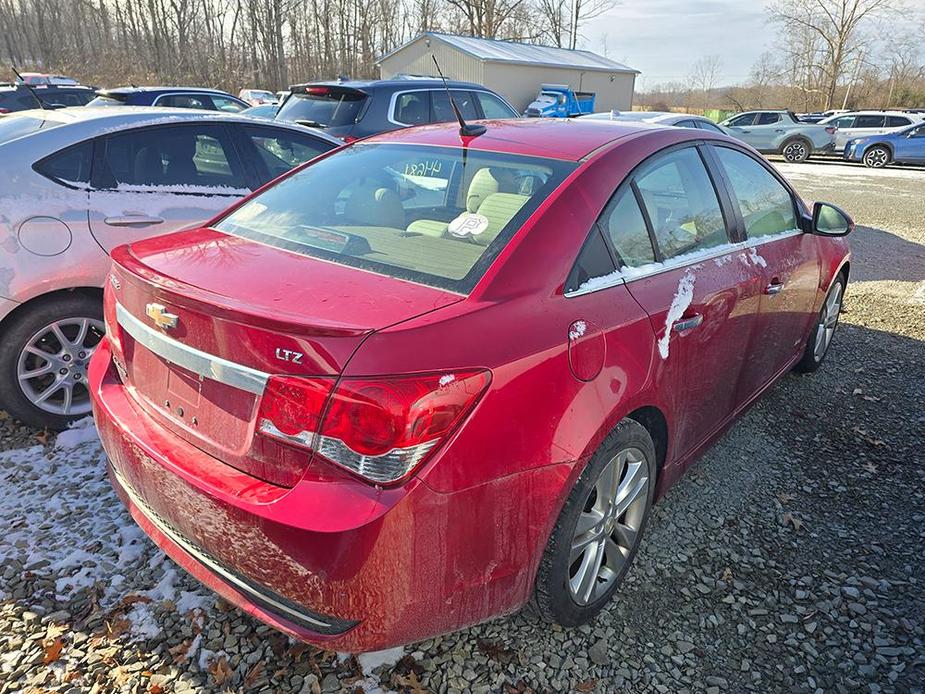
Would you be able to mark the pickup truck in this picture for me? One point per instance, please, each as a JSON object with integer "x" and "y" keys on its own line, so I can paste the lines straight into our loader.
{"x": 559, "y": 101}
{"x": 781, "y": 132}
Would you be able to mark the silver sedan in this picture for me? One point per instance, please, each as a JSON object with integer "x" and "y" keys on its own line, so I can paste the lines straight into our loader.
{"x": 74, "y": 184}
{"x": 678, "y": 120}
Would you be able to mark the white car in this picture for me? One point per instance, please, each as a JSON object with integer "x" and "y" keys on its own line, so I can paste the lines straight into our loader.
{"x": 257, "y": 97}
{"x": 850, "y": 126}
{"x": 678, "y": 120}
{"x": 77, "y": 182}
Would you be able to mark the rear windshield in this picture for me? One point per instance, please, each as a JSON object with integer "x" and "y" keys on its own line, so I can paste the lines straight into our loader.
{"x": 12, "y": 127}
{"x": 323, "y": 107}
{"x": 107, "y": 101}
{"x": 434, "y": 215}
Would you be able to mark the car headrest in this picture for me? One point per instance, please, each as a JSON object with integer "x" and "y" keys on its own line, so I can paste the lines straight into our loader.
{"x": 482, "y": 185}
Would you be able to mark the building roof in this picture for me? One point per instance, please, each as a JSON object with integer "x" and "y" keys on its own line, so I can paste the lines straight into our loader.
{"x": 496, "y": 51}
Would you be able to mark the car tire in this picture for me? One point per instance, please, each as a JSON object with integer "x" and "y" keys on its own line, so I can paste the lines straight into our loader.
{"x": 876, "y": 157}
{"x": 573, "y": 586}
{"x": 74, "y": 318}
{"x": 797, "y": 150}
{"x": 823, "y": 331}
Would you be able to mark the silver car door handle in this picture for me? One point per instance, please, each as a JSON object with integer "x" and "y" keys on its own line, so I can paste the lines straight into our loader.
{"x": 687, "y": 323}
{"x": 133, "y": 220}
{"x": 778, "y": 130}
{"x": 774, "y": 288}
{"x": 746, "y": 131}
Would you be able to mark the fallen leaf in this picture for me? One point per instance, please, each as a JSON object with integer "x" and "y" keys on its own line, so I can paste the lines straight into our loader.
{"x": 155, "y": 689}
{"x": 52, "y": 650}
{"x": 220, "y": 670}
{"x": 784, "y": 497}
{"x": 790, "y": 519}
{"x": 253, "y": 674}
{"x": 409, "y": 682}
{"x": 42, "y": 437}
{"x": 586, "y": 686}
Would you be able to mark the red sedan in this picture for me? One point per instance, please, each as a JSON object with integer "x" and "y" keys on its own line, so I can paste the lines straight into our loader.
{"x": 429, "y": 378}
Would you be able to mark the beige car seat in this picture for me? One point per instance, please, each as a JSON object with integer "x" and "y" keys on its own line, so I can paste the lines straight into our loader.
{"x": 481, "y": 186}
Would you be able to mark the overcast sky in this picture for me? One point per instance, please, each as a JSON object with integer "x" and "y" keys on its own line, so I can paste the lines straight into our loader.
{"x": 662, "y": 38}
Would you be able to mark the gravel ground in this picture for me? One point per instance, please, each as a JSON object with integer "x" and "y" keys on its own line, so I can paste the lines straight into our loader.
{"x": 789, "y": 559}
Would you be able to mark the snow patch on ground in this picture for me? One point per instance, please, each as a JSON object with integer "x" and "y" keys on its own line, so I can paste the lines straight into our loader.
{"x": 679, "y": 304}
{"x": 81, "y": 431}
{"x": 918, "y": 296}
{"x": 61, "y": 518}
{"x": 376, "y": 659}
{"x": 825, "y": 170}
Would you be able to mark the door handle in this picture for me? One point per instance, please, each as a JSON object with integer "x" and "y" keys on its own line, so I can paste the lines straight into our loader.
{"x": 133, "y": 220}
{"x": 774, "y": 288}
{"x": 778, "y": 130}
{"x": 746, "y": 131}
{"x": 688, "y": 323}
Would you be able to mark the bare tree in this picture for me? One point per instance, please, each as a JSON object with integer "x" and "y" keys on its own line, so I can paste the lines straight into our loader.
{"x": 829, "y": 34}
{"x": 704, "y": 75}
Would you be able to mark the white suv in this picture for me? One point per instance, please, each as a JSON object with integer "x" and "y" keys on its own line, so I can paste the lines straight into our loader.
{"x": 863, "y": 123}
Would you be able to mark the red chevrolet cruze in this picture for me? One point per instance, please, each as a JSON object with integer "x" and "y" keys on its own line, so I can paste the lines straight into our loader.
{"x": 429, "y": 378}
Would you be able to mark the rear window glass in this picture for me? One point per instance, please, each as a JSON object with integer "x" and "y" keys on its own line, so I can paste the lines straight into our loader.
{"x": 107, "y": 101}
{"x": 13, "y": 127}
{"x": 434, "y": 215}
{"x": 323, "y": 107}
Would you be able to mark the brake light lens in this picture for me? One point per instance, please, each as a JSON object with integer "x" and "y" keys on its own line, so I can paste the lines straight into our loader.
{"x": 319, "y": 91}
{"x": 378, "y": 428}
{"x": 348, "y": 139}
{"x": 830, "y": 129}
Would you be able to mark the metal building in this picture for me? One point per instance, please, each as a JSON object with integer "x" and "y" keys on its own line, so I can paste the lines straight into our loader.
{"x": 514, "y": 70}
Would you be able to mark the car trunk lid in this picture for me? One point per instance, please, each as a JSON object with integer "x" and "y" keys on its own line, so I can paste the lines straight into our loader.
{"x": 196, "y": 352}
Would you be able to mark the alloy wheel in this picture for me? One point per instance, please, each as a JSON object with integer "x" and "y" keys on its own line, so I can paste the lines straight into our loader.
{"x": 52, "y": 367}
{"x": 609, "y": 526}
{"x": 876, "y": 158}
{"x": 828, "y": 321}
{"x": 795, "y": 152}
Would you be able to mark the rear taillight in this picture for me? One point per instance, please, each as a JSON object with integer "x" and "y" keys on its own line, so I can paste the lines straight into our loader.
{"x": 831, "y": 129}
{"x": 319, "y": 91}
{"x": 350, "y": 139}
{"x": 378, "y": 428}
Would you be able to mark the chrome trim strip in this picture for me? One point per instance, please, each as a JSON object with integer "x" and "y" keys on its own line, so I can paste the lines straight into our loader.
{"x": 212, "y": 565}
{"x": 668, "y": 265}
{"x": 199, "y": 362}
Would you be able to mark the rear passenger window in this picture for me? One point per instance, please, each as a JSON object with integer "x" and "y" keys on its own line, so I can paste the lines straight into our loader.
{"x": 682, "y": 204}
{"x": 71, "y": 165}
{"x": 869, "y": 122}
{"x": 897, "y": 121}
{"x": 768, "y": 118}
{"x": 181, "y": 156}
{"x": 184, "y": 101}
{"x": 706, "y": 125}
{"x": 624, "y": 224}
{"x": 685, "y": 124}
{"x": 765, "y": 204}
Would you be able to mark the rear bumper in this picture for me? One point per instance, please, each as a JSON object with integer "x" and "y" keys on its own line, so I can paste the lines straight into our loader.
{"x": 332, "y": 561}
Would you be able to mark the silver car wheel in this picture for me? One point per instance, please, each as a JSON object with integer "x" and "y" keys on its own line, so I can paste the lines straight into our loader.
{"x": 609, "y": 525}
{"x": 52, "y": 368}
{"x": 876, "y": 158}
{"x": 828, "y": 321}
{"x": 795, "y": 151}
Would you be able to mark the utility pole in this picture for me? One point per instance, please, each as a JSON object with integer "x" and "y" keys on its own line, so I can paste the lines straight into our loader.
{"x": 854, "y": 78}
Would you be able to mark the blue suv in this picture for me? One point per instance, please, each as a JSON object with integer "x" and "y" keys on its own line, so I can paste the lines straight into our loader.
{"x": 906, "y": 146}
{"x": 172, "y": 97}
{"x": 359, "y": 108}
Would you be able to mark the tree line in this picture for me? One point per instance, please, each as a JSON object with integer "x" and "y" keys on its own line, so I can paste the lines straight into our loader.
{"x": 258, "y": 43}
{"x": 829, "y": 54}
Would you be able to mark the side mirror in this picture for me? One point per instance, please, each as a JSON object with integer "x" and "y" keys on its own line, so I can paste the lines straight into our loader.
{"x": 829, "y": 220}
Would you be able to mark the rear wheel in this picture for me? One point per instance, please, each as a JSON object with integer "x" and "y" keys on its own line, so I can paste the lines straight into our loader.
{"x": 599, "y": 529}
{"x": 817, "y": 346}
{"x": 797, "y": 150}
{"x": 43, "y": 366}
{"x": 877, "y": 157}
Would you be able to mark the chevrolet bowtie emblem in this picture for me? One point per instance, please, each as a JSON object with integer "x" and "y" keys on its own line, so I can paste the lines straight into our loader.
{"x": 161, "y": 316}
